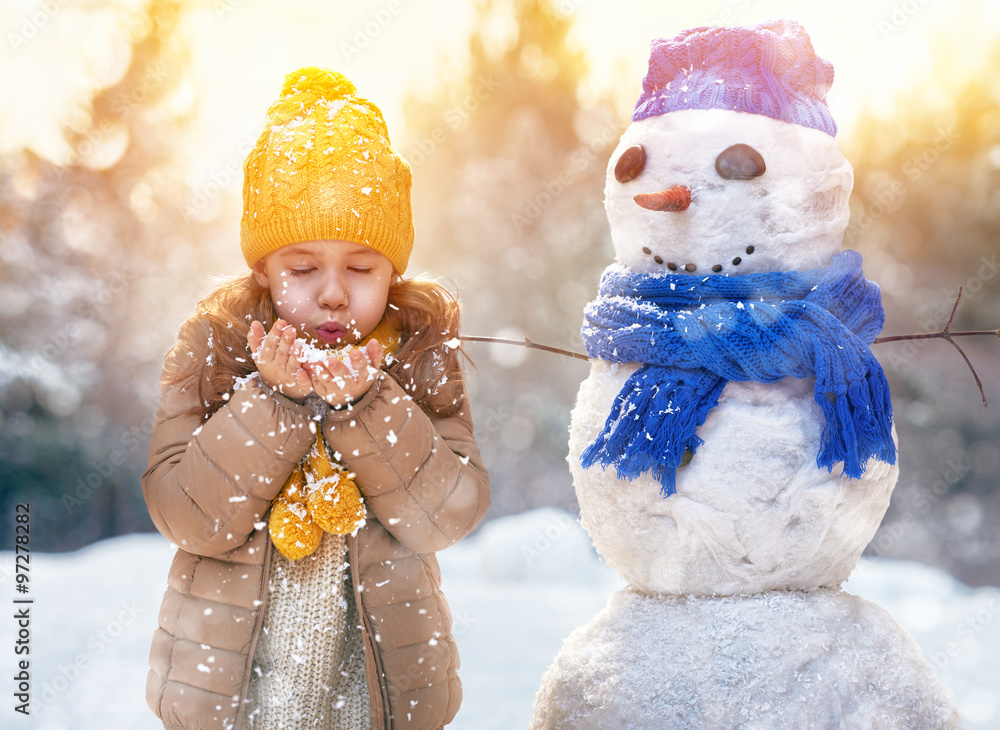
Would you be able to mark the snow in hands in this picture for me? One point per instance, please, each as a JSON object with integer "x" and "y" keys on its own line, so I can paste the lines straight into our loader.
{"x": 296, "y": 367}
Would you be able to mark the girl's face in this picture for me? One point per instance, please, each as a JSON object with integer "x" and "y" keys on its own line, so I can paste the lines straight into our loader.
{"x": 333, "y": 292}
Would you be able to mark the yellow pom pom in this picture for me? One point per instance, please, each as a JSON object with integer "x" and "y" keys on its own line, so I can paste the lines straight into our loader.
{"x": 336, "y": 505}
{"x": 294, "y": 533}
{"x": 322, "y": 82}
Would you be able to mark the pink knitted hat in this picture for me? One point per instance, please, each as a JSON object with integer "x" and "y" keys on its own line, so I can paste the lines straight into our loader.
{"x": 768, "y": 69}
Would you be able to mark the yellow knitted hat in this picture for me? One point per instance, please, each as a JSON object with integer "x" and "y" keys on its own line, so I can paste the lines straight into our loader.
{"x": 323, "y": 168}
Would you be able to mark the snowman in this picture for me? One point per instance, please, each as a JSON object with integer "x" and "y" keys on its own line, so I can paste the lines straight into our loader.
{"x": 732, "y": 449}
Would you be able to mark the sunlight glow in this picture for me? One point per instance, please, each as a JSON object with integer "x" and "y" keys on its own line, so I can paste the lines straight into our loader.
{"x": 240, "y": 52}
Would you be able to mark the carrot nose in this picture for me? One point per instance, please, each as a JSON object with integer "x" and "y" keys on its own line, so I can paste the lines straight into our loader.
{"x": 675, "y": 199}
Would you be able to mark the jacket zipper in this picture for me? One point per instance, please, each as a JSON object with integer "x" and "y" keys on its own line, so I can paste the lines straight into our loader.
{"x": 381, "y": 716}
{"x": 258, "y": 623}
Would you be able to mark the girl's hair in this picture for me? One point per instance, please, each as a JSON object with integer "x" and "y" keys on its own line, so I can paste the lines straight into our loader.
{"x": 424, "y": 313}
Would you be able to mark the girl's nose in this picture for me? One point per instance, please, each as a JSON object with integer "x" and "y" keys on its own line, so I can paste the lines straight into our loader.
{"x": 333, "y": 295}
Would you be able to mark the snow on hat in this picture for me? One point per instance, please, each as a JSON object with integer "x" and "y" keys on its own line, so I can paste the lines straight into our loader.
{"x": 768, "y": 69}
{"x": 323, "y": 168}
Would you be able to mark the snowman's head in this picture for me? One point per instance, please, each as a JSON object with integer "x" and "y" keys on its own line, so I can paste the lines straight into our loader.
{"x": 730, "y": 164}
{"x": 712, "y": 191}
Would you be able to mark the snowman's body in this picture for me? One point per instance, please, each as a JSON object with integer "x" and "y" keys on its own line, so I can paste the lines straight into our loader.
{"x": 733, "y": 616}
{"x": 810, "y": 660}
{"x": 752, "y": 510}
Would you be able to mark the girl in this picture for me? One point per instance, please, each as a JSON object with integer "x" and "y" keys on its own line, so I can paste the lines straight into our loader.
{"x": 264, "y": 451}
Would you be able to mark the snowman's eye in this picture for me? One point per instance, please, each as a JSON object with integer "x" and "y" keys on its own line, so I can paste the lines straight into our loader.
{"x": 740, "y": 162}
{"x": 630, "y": 164}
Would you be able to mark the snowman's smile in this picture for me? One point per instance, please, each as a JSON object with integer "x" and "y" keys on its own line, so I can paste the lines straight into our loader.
{"x": 693, "y": 267}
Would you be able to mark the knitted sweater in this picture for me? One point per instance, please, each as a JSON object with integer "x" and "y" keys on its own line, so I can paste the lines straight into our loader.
{"x": 309, "y": 667}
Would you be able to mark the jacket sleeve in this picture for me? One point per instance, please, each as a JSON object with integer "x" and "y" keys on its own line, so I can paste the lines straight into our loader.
{"x": 209, "y": 483}
{"x": 422, "y": 477}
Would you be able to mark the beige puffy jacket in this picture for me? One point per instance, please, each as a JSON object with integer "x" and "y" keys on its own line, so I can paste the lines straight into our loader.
{"x": 209, "y": 486}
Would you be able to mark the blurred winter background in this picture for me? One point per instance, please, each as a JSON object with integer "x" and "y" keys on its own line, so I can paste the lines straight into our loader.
{"x": 123, "y": 126}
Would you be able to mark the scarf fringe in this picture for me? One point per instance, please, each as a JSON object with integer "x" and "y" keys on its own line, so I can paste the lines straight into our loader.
{"x": 853, "y": 432}
{"x": 661, "y": 417}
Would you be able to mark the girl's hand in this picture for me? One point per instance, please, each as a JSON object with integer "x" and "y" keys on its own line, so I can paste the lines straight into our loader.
{"x": 340, "y": 385}
{"x": 275, "y": 355}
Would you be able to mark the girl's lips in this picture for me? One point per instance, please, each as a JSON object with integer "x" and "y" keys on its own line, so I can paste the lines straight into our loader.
{"x": 330, "y": 333}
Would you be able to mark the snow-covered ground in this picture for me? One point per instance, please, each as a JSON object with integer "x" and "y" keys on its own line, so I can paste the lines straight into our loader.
{"x": 516, "y": 590}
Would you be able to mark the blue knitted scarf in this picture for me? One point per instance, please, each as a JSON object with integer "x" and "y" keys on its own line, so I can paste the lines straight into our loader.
{"x": 694, "y": 334}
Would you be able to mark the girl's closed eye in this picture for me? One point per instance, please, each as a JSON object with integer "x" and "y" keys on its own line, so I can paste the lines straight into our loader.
{"x": 302, "y": 271}
{"x": 364, "y": 270}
